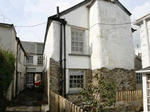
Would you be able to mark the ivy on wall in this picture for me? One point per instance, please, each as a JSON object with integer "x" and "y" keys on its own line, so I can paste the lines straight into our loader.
{"x": 7, "y": 68}
{"x": 99, "y": 94}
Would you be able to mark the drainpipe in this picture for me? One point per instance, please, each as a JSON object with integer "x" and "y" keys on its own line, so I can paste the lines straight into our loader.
{"x": 16, "y": 69}
{"x": 60, "y": 55}
{"x": 62, "y": 23}
{"x": 65, "y": 59}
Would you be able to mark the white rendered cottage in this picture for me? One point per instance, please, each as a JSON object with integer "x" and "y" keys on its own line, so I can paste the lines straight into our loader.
{"x": 144, "y": 24}
{"x": 83, "y": 39}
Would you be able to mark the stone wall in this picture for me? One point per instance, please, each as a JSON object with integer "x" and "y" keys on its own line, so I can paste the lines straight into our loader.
{"x": 54, "y": 73}
{"x": 124, "y": 79}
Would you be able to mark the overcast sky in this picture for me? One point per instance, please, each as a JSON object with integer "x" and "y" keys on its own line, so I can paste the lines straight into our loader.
{"x": 31, "y": 12}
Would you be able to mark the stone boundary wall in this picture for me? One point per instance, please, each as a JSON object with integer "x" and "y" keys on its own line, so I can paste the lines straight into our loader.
{"x": 54, "y": 75}
{"x": 125, "y": 79}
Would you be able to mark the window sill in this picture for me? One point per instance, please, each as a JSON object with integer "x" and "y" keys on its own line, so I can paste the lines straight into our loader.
{"x": 73, "y": 92}
{"x": 73, "y": 54}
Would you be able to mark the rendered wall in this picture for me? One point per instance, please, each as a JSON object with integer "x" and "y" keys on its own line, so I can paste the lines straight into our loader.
{"x": 112, "y": 45}
{"x": 144, "y": 34}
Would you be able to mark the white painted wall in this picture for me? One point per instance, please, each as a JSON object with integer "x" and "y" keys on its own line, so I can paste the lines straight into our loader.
{"x": 6, "y": 38}
{"x": 78, "y": 17}
{"x": 112, "y": 45}
{"x": 144, "y": 36}
{"x": 8, "y": 42}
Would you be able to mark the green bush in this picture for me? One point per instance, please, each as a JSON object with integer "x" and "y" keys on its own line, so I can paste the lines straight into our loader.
{"x": 7, "y": 67}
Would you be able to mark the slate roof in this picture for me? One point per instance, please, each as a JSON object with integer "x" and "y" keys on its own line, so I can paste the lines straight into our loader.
{"x": 32, "y": 47}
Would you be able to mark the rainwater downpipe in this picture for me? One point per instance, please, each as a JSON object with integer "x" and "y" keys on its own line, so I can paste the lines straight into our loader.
{"x": 65, "y": 59}
{"x": 60, "y": 60}
{"x": 63, "y": 23}
{"x": 16, "y": 69}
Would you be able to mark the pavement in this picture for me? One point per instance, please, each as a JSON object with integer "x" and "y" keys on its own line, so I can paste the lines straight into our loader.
{"x": 28, "y": 101}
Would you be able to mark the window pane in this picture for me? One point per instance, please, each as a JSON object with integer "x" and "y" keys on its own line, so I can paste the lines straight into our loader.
{"x": 76, "y": 78}
{"x": 76, "y": 38}
{"x": 72, "y": 44}
{"x": 80, "y": 39}
{"x": 72, "y": 33}
{"x": 76, "y": 33}
{"x": 76, "y": 44}
{"x": 72, "y": 38}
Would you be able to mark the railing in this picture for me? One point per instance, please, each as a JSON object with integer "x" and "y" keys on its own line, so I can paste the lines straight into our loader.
{"x": 60, "y": 104}
{"x": 129, "y": 95}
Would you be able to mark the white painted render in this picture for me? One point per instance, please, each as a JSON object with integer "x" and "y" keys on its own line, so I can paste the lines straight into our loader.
{"x": 8, "y": 42}
{"x": 145, "y": 46}
{"x": 112, "y": 45}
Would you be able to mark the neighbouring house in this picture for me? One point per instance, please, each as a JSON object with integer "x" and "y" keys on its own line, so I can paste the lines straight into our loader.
{"x": 144, "y": 24}
{"x": 34, "y": 62}
{"x": 10, "y": 41}
{"x": 84, "y": 39}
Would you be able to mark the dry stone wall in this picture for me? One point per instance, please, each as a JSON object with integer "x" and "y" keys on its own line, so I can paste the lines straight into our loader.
{"x": 54, "y": 73}
{"x": 124, "y": 79}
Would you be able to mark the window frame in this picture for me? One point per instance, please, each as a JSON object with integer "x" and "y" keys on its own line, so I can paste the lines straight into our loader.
{"x": 74, "y": 90}
{"x": 77, "y": 30}
{"x": 39, "y": 60}
{"x": 138, "y": 78}
{"x": 30, "y": 77}
{"x": 29, "y": 58}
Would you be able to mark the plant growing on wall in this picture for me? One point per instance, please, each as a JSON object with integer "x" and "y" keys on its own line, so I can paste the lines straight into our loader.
{"x": 99, "y": 93}
{"x": 7, "y": 67}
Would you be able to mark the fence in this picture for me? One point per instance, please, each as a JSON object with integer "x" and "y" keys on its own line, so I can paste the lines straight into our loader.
{"x": 129, "y": 95}
{"x": 60, "y": 104}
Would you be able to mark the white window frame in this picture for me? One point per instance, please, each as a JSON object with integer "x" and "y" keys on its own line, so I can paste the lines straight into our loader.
{"x": 76, "y": 89}
{"x": 77, "y": 40}
{"x": 138, "y": 78}
{"x": 30, "y": 78}
{"x": 32, "y": 60}
{"x": 38, "y": 60}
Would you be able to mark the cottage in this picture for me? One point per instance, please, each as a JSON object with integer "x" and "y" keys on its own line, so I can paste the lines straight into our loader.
{"x": 10, "y": 41}
{"x": 34, "y": 62}
{"x": 144, "y": 24}
{"x": 85, "y": 38}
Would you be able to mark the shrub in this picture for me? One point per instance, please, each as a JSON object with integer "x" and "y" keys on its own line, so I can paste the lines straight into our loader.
{"x": 7, "y": 67}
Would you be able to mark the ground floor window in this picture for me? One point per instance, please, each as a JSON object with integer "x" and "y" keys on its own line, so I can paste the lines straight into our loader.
{"x": 30, "y": 78}
{"x": 139, "y": 78}
{"x": 76, "y": 80}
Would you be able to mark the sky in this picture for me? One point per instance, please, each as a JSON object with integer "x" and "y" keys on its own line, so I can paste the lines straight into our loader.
{"x": 31, "y": 12}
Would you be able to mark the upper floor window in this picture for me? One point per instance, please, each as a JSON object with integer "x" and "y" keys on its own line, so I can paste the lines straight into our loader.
{"x": 40, "y": 60}
{"x": 30, "y": 59}
{"x": 77, "y": 40}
